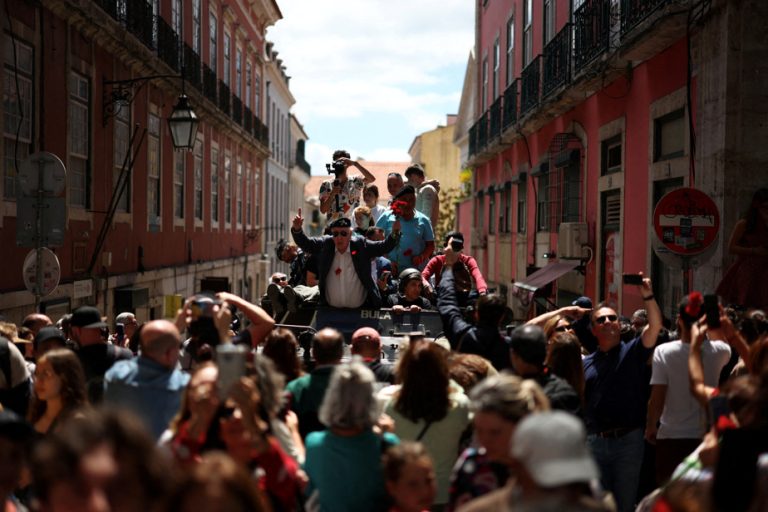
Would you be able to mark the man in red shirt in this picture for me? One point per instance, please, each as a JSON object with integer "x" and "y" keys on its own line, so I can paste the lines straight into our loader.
{"x": 465, "y": 270}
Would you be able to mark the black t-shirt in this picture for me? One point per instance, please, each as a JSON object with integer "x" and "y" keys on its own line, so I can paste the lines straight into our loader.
{"x": 96, "y": 360}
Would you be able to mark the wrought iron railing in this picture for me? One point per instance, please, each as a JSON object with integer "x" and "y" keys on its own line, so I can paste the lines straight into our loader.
{"x": 168, "y": 44}
{"x": 472, "y": 140}
{"x": 509, "y": 110}
{"x": 192, "y": 67}
{"x": 210, "y": 90}
{"x": 115, "y": 8}
{"x": 141, "y": 22}
{"x": 260, "y": 131}
{"x": 530, "y": 86}
{"x": 635, "y": 11}
{"x": 482, "y": 131}
{"x": 494, "y": 123}
{"x": 247, "y": 120}
{"x": 557, "y": 61}
{"x": 225, "y": 97}
{"x": 592, "y": 24}
{"x": 237, "y": 109}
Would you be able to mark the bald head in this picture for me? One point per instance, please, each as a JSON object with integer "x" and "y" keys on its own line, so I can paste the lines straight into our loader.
{"x": 36, "y": 321}
{"x": 160, "y": 341}
{"x": 328, "y": 346}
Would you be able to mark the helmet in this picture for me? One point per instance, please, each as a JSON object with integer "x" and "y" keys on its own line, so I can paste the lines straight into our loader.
{"x": 406, "y": 275}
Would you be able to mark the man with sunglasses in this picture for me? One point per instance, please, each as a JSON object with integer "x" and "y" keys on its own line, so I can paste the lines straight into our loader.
{"x": 344, "y": 262}
{"x": 617, "y": 379}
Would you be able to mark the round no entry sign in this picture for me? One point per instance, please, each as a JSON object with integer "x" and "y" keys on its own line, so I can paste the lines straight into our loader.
{"x": 686, "y": 221}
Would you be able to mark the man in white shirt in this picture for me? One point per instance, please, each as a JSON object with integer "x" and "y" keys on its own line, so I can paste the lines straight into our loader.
{"x": 345, "y": 262}
{"x": 676, "y": 422}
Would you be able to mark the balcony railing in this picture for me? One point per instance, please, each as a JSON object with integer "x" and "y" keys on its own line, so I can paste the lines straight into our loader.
{"x": 472, "y": 140}
{"x": 592, "y": 23}
{"x": 168, "y": 44}
{"x": 140, "y": 21}
{"x": 260, "y": 131}
{"x": 482, "y": 131}
{"x": 237, "y": 109}
{"x": 509, "y": 112}
{"x": 192, "y": 67}
{"x": 530, "y": 85}
{"x": 635, "y": 11}
{"x": 557, "y": 61}
{"x": 247, "y": 120}
{"x": 494, "y": 127}
{"x": 210, "y": 90}
{"x": 224, "y": 97}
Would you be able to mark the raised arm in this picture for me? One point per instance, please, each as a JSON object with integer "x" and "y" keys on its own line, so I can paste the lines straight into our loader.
{"x": 381, "y": 247}
{"x": 261, "y": 322}
{"x": 308, "y": 244}
{"x": 700, "y": 391}
{"x": 571, "y": 311}
{"x": 651, "y": 331}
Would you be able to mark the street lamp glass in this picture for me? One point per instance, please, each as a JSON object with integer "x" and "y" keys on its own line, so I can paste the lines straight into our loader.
{"x": 183, "y": 124}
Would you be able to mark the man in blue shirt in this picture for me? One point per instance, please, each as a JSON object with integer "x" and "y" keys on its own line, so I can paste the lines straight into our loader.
{"x": 617, "y": 377}
{"x": 150, "y": 385}
{"x": 417, "y": 241}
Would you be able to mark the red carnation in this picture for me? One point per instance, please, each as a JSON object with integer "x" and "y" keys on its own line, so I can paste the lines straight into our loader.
{"x": 354, "y": 252}
{"x": 408, "y": 252}
{"x": 693, "y": 308}
{"x": 724, "y": 423}
{"x": 338, "y": 271}
{"x": 397, "y": 207}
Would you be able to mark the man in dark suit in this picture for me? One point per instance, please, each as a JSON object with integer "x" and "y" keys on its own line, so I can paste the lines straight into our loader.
{"x": 345, "y": 262}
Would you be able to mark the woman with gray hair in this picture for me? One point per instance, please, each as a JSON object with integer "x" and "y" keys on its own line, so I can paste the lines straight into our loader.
{"x": 344, "y": 462}
{"x": 499, "y": 404}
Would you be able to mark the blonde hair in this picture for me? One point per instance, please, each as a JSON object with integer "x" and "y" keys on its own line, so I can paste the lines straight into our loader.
{"x": 509, "y": 396}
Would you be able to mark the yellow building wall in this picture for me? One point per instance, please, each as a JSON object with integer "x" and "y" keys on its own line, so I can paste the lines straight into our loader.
{"x": 439, "y": 156}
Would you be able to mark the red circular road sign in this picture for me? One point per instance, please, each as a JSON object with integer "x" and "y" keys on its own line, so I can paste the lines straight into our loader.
{"x": 686, "y": 221}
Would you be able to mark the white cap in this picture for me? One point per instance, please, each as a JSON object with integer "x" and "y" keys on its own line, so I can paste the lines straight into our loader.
{"x": 552, "y": 446}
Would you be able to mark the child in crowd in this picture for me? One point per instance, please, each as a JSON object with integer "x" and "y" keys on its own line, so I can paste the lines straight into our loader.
{"x": 409, "y": 478}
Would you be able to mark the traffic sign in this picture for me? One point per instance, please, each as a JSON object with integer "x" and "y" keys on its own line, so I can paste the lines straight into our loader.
{"x": 686, "y": 221}
{"x": 47, "y": 165}
{"x": 50, "y": 275}
{"x": 53, "y": 217}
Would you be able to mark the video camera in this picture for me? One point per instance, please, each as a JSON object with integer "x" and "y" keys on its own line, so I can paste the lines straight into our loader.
{"x": 336, "y": 168}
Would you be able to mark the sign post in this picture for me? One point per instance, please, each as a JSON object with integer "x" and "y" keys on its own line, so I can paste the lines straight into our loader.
{"x": 687, "y": 223}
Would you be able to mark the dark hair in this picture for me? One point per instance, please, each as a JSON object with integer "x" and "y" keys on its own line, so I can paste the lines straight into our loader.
{"x": 599, "y": 306}
{"x": 423, "y": 373}
{"x": 327, "y": 346}
{"x": 74, "y": 395}
{"x": 372, "y": 231}
{"x": 281, "y": 347}
{"x": 339, "y": 153}
{"x": 490, "y": 310}
{"x": 453, "y": 234}
{"x": 372, "y": 188}
{"x": 399, "y": 455}
{"x": 468, "y": 369}
{"x": 564, "y": 360}
{"x": 753, "y": 214}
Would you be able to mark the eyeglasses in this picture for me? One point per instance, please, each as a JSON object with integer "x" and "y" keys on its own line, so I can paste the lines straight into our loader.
{"x": 563, "y": 328}
{"x": 334, "y": 234}
{"x": 606, "y": 318}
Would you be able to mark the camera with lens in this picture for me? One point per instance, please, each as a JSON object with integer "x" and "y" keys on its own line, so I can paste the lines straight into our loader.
{"x": 457, "y": 245}
{"x": 336, "y": 167}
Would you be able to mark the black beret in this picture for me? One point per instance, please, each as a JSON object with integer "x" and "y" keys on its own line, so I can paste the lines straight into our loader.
{"x": 341, "y": 222}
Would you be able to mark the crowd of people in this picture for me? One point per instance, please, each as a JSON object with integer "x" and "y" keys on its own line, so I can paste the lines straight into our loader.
{"x": 576, "y": 409}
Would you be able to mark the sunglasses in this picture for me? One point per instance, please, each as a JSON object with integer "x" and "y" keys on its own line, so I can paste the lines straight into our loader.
{"x": 563, "y": 328}
{"x": 282, "y": 278}
{"x": 606, "y": 318}
{"x": 334, "y": 234}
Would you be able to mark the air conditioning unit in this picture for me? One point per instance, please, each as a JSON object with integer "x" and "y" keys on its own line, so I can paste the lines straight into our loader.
{"x": 572, "y": 237}
{"x": 479, "y": 239}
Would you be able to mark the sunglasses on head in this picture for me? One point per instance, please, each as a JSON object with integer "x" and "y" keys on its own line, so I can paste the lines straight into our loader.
{"x": 334, "y": 234}
{"x": 563, "y": 328}
{"x": 606, "y": 318}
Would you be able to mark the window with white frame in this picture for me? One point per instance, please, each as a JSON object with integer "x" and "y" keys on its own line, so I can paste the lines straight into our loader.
{"x": 491, "y": 211}
{"x": 155, "y": 16}
{"x": 669, "y": 136}
{"x": 18, "y": 118}
{"x": 177, "y": 20}
{"x": 549, "y": 20}
{"x": 542, "y": 203}
{"x": 79, "y": 139}
{"x": 239, "y": 192}
{"x": 527, "y": 32}
{"x": 257, "y": 93}
{"x": 215, "y": 185}
{"x": 213, "y": 42}
{"x": 179, "y": 168}
{"x": 610, "y": 158}
{"x": 248, "y": 194}
{"x": 198, "y": 157}
{"x": 196, "y": 26}
{"x": 522, "y": 197}
{"x": 239, "y": 73}
{"x": 248, "y": 78}
{"x": 510, "y": 51}
{"x": 227, "y": 58}
{"x": 121, "y": 135}
{"x": 484, "y": 92}
{"x": 153, "y": 169}
{"x": 496, "y": 70}
{"x": 227, "y": 189}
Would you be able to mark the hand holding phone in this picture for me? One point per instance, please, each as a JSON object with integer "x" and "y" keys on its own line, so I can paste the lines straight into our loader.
{"x": 634, "y": 279}
{"x": 231, "y": 362}
{"x": 712, "y": 310}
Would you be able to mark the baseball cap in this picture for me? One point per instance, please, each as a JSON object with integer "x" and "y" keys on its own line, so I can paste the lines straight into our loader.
{"x": 87, "y": 317}
{"x": 552, "y": 446}
{"x": 49, "y": 333}
{"x": 583, "y": 302}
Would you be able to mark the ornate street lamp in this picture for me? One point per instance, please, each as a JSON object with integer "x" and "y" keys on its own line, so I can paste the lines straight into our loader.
{"x": 183, "y": 124}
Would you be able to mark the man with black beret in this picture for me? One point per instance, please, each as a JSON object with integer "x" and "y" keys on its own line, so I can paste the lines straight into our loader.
{"x": 344, "y": 262}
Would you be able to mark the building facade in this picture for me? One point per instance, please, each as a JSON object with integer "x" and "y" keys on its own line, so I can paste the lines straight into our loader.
{"x": 586, "y": 114}
{"x": 94, "y": 82}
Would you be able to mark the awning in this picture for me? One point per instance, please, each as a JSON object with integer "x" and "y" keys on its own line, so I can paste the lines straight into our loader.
{"x": 524, "y": 290}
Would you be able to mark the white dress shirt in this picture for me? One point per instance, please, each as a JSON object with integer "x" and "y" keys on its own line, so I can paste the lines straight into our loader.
{"x": 343, "y": 289}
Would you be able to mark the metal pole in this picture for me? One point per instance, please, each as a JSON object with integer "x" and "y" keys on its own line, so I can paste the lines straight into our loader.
{"x": 39, "y": 234}
{"x": 686, "y": 275}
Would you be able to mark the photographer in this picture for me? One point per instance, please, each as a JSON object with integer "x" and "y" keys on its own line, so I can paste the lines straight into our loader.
{"x": 340, "y": 196}
{"x": 465, "y": 270}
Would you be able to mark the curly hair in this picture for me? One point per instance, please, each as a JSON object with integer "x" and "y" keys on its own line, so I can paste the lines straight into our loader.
{"x": 423, "y": 373}
{"x": 73, "y": 392}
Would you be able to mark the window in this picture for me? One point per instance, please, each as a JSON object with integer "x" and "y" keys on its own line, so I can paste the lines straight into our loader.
{"x": 177, "y": 21}
{"x": 239, "y": 192}
{"x": 669, "y": 136}
{"x": 248, "y": 194}
{"x": 121, "y": 148}
{"x": 505, "y": 214}
{"x": 227, "y": 58}
{"x": 153, "y": 169}
{"x": 484, "y": 93}
{"x": 79, "y": 130}
{"x": 496, "y": 64}
{"x": 571, "y": 176}
{"x": 215, "y": 185}
{"x": 491, "y": 211}
{"x": 199, "y": 179}
{"x": 179, "y": 164}
{"x": 248, "y": 76}
{"x": 155, "y": 17}
{"x": 610, "y": 155}
{"x": 522, "y": 195}
{"x": 549, "y": 20}
{"x": 227, "y": 189}
{"x": 542, "y": 203}
{"x": 528, "y": 33}
{"x": 510, "y": 51}
{"x": 17, "y": 111}
{"x": 196, "y": 26}
{"x": 480, "y": 212}
{"x": 257, "y": 100}
{"x": 239, "y": 73}
{"x": 212, "y": 45}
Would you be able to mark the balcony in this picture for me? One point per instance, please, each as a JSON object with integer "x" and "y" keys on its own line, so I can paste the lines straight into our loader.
{"x": 168, "y": 45}
{"x": 225, "y": 97}
{"x": 472, "y": 140}
{"x": 482, "y": 132}
{"x": 248, "y": 120}
{"x": 140, "y": 22}
{"x": 509, "y": 112}
{"x": 530, "y": 86}
{"x": 592, "y": 24}
{"x": 557, "y": 62}
{"x": 635, "y": 11}
{"x": 237, "y": 109}
{"x": 192, "y": 67}
{"x": 260, "y": 131}
{"x": 210, "y": 90}
{"x": 494, "y": 127}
